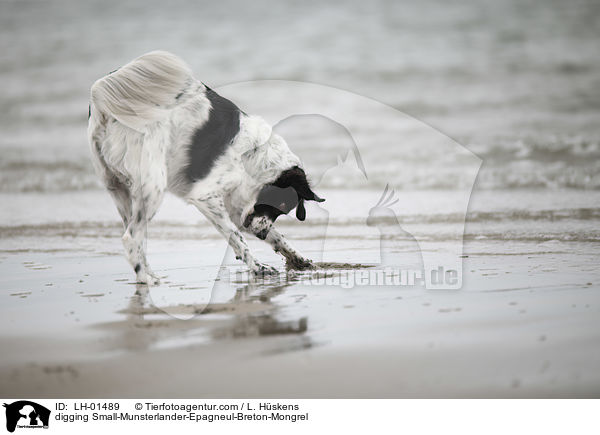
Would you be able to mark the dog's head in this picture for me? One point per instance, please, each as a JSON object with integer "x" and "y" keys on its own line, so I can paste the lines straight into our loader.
{"x": 287, "y": 192}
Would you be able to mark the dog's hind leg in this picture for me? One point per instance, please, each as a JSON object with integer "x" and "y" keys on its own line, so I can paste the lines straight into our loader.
{"x": 213, "y": 208}
{"x": 147, "y": 192}
{"x": 115, "y": 184}
{"x": 293, "y": 259}
{"x": 121, "y": 197}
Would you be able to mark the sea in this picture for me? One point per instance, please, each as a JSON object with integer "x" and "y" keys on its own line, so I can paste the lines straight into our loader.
{"x": 494, "y": 103}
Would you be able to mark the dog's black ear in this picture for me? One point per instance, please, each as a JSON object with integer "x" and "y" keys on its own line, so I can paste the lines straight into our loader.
{"x": 300, "y": 210}
{"x": 296, "y": 178}
{"x": 315, "y": 197}
{"x": 305, "y": 192}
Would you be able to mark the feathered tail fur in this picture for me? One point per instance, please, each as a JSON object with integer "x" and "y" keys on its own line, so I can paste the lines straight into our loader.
{"x": 141, "y": 92}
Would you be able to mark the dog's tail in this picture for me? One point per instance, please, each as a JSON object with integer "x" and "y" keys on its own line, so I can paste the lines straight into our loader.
{"x": 143, "y": 91}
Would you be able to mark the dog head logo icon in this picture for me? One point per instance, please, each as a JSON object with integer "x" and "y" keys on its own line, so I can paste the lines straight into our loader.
{"x": 26, "y": 414}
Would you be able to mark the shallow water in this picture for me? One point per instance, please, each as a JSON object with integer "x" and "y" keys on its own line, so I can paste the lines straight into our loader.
{"x": 516, "y": 82}
{"x": 524, "y": 323}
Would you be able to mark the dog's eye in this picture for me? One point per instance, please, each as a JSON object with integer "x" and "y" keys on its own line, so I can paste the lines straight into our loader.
{"x": 282, "y": 206}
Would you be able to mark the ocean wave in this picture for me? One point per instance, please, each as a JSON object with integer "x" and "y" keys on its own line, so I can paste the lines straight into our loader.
{"x": 541, "y": 149}
{"x": 512, "y": 216}
{"x": 69, "y": 176}
{"x": 47, "y": 176}
{"x": 552, "y": 162}
{"x": 537, "y": 225}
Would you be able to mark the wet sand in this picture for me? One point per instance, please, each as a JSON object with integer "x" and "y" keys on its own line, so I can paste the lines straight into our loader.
{"x": 78, "y": 336}
{"x": 73, "y": 324}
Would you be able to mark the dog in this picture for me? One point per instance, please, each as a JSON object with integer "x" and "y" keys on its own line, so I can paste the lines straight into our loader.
{"x": 153, "y": 127}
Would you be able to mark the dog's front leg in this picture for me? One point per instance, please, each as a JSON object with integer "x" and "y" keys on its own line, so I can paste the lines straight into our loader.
{"x": 214, "y": 210}
{"x": 293, "y": 259}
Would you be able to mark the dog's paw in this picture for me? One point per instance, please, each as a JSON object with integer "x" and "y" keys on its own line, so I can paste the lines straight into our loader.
{"x": 264, "y": 270}
{"x": 298, "y": 263}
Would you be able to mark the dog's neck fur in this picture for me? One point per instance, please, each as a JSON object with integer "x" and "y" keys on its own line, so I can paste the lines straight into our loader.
{"x": 264, "y": 156}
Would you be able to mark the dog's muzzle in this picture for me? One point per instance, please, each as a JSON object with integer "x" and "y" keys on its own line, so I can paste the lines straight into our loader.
{"x": 262, "y": 235}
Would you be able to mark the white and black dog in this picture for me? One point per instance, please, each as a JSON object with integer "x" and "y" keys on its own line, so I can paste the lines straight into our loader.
{"x": 153, "y": 127}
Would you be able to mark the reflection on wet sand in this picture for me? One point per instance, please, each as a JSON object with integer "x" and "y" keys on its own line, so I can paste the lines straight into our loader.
{"x": 250, "y": 313}
{"x": 262, "y": 322}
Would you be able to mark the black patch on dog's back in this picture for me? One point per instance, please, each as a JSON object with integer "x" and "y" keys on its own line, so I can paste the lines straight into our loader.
{"x": 212, "y": 139}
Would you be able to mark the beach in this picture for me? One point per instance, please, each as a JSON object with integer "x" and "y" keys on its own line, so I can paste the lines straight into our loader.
{"x": 74, "y": 324}
{"x": 459, "y": 141}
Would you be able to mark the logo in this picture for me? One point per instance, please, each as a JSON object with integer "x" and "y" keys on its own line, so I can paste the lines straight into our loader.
{"x": 26, "y": 414}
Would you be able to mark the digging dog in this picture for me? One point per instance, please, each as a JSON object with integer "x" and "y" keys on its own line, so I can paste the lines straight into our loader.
{"x": 153, "y": 127}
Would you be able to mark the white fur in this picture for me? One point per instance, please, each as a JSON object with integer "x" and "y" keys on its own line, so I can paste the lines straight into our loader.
{"x": 142, "y": 120}
{"x": 143, "y": 91}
